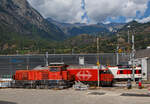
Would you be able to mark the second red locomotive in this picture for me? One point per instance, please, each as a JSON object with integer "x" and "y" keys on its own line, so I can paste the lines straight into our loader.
{"x": 89, "y": 75}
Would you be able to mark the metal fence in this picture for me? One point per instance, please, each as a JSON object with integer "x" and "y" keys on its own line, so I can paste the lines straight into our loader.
{"x": 9, "y": 64}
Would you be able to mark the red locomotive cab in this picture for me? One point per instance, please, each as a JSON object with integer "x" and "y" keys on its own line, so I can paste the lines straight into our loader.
{"x": 58, "y": 74}
{"x": 106, "y": 77}
{"x": 55, "y": 73}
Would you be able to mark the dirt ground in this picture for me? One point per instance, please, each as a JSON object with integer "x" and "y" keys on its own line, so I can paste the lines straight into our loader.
{"x": 70, "y": 96}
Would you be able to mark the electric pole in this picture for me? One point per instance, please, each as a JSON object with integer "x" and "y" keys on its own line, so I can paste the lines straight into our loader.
{"x": 46, "y": 58}
{"x": 98, "y": 63}
{"x": 117, "y": 52}
{"x": 133, "y": 56}
{"x": 129, "y": 34}
{"x": 117, "y": 55}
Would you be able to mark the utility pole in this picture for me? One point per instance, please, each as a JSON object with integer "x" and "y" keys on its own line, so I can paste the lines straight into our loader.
{"x": 98, "y": 63}
{"x": 129, "y": 34}
{"x": 28, "y": 62}
{"x": 129, "y": 41}
{"x": 72, "y": 51}
{"x": 133, "y": 56}
{"x": 117, "y": 50}
{"x": 46, "y": 59}
{"x": 117, "y": 55}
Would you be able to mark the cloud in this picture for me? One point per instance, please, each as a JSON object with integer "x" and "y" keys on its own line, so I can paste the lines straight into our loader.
{"x": 61, "y": 10}
{"x": 129, "y": 20}
{"x": 144, "y": 20}
{"x": 100, "y": 10}
{"x": 95, "y": 10}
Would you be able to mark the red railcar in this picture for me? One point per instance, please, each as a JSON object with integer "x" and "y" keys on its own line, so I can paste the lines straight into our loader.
{"x": 60, "y": 75}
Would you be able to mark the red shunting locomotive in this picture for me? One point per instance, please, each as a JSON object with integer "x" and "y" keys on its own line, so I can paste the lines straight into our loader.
{"x": 61, "y": 76}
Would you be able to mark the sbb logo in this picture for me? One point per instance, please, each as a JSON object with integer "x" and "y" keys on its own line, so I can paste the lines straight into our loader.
{"x": 84, "y": 75}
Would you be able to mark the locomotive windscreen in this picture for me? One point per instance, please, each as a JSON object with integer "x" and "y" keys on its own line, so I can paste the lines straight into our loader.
{"x": 55, "y": 69}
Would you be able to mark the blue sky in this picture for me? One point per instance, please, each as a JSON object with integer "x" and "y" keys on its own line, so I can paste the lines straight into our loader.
{"x": 94, "y": 11}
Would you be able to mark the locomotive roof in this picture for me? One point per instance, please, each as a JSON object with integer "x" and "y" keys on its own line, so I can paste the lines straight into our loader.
{"x": 40, "y": 67}
{"x": 61, "y": 64}
{"x": 57, "y": 63}
{"x": 86, "y": 66}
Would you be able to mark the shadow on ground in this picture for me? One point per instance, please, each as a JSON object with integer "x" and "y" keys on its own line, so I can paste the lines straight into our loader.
{"x": 6, "y": 102}
{"x": 137, "y": 95}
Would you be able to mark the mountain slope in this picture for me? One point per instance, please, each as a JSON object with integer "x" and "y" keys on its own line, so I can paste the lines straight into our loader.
{"x": 87, "y": 44}
{"x": 81, "y": 28}
{"x": 19, "y": 17}
{"x": 141, "y": 32}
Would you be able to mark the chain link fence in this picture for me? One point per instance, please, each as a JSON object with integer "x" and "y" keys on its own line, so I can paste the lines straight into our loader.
{"x": 9, "y": 64}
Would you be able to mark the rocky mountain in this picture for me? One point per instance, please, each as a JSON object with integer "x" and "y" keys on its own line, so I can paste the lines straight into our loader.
{"x": 141, "y": 31}
{"x": 85, "y": 43}
{"x": 23, "y": 29}
{"x": 112, "y": 27}
{"x": 81, "y": 28}
{"x": 17, "y": 16}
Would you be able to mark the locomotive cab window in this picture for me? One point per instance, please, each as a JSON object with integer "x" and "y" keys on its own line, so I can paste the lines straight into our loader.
{"x": 140, "y": 71}
{"x": 54, "y": 69}
{"x": 63, "y": 68}
{"x": 121, "y": 71}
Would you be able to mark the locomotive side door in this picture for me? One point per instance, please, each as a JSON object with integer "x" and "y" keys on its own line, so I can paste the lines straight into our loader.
{"x": 55, "y": 73}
